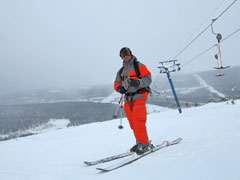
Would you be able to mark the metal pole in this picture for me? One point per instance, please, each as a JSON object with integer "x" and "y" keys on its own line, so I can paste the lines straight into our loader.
{"x": 121, "y": 102}
{"x": 219, "y": 69}
{"x": 220, "y": 54}
{"x": 174, "y": 93}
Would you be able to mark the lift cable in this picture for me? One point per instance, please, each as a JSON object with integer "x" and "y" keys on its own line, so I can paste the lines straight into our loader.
{"x": 215, "y": 45}
{"x": 197, "y": 29}
{"x": 214, "y": 20}
{"x": 231, "y": 34}
{"x": 201, "y": 34}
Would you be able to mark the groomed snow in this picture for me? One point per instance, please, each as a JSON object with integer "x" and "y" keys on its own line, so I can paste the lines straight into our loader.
{"x": 209, "y": 150}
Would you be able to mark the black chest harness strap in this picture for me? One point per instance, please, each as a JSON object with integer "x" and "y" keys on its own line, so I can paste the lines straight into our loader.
{"x": 130, "y": 95}
{"x": 139, "y": 91}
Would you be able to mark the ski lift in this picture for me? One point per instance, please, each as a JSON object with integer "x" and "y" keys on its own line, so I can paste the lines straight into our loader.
{"x": 168, "y": 67}
{"x": 219, "y": 38}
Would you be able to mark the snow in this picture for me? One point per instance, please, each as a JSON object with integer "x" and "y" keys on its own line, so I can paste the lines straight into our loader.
{"x": 210, "y": 88}
{"x": 235, "y": 87}
{"x": 209, "y": 150}
{"x": 112, "y": 98}
{"x": 155, "y": 109}
{"x": 51, "y": 125}
{"x": 187, "y": 90}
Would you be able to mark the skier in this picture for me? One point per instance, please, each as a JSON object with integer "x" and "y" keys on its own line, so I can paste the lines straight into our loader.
{"x": 133, "y": 80}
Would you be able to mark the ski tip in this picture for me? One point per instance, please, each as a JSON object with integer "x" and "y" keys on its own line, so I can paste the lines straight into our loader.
{"x": 102, "y": 170}
{"x": 87, "y": 163}
{"x": 179, "y": 139}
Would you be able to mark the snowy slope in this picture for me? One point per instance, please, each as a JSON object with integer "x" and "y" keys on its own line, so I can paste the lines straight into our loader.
{"x": 210, "y": 88}
{"x": 209, "y": 150}
{"x": 52, "y": 125}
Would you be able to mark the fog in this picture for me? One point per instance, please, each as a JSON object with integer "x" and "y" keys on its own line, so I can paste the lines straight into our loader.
{"x": 71, "y": 43}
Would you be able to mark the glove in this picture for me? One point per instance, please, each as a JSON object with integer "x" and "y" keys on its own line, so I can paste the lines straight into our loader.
{"x": 121, "y": 89}
{"x": 134, "y": 83}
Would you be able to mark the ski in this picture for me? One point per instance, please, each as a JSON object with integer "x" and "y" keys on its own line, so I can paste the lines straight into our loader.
{"x": 107, "y": 159}
{"x": 136, "y": 157}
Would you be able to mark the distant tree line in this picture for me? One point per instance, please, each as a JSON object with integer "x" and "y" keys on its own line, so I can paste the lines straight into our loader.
{"x": 21, "y": 117}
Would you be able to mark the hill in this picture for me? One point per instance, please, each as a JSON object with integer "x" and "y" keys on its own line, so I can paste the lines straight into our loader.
{"x": 189, "y": 88}
{"x": 198, "y": 88}
{"x": 21, "y": 112}
{"x": 209, "y": 150}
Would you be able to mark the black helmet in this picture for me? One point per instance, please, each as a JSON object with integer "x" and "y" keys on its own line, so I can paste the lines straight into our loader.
{"x": 125, "y": 51}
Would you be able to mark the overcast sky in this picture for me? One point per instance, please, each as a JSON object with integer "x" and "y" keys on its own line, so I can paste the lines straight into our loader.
{"x": 70, "y": 43}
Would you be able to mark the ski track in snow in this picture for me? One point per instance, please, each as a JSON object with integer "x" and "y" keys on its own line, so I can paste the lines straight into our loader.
{"x": 207, "y": 86}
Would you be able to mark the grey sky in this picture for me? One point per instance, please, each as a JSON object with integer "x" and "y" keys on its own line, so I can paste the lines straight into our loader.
{"x": 69, "y": 43}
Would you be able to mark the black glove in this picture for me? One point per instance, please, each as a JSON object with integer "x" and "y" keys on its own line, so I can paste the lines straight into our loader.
{"x": 121, "y": 89}
{"x": 134, "y": 83}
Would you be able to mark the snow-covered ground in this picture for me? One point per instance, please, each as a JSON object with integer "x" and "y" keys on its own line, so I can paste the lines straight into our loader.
{"x": 209, "y": 150}
{"x": 208, "y": 87}
{"x": 52, "y": 125}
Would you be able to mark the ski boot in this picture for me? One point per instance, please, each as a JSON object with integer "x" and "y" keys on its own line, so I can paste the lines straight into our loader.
{"x": 134, "y": 148}
{"x": 142, "y": 148}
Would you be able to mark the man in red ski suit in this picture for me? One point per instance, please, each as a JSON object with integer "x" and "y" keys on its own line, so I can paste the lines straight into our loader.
{"x": 133, "y": 80}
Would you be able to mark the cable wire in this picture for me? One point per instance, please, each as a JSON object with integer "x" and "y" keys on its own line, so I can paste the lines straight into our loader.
{"x": 226, "y": 9}
{"x": 214, "y": 20}
{"x": 191, "y": 42}
{"x": 200, "y": 26}
{"x": 210, "y": 48}
{"x": 231, "y": 35}
{"x": 199, "y": 55}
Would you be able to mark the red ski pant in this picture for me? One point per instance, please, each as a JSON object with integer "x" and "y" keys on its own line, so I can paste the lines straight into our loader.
{"x": 137, "y": 117}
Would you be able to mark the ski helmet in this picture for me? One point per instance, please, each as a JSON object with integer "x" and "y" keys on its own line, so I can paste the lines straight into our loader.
{"x": 125, "y": 51}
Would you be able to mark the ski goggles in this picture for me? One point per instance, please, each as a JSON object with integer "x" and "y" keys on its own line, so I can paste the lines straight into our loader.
{"x": 125, "y": 53}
